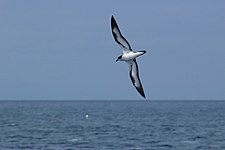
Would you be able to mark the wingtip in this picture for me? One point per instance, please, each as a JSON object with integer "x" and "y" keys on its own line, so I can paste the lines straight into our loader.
{"x": 141, "y": 92}
{"x": 143, "y": 95}
{"x": 113, "y": 19}
{"x": 113, "y": 23}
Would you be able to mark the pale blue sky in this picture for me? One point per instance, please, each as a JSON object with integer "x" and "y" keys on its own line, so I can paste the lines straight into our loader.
{"x": 52, "y": 49}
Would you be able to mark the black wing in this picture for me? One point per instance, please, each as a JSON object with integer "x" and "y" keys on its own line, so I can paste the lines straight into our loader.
{"x": 134, "y": 76}
{"x": 119, "y": 37}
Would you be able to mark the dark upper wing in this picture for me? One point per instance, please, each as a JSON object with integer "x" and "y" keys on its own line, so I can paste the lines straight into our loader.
{"x": 119, "y": 37}
{"x": 134, "y": 75}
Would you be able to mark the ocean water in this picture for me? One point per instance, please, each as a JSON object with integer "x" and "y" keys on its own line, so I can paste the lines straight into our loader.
{"x": 112, "y": 125}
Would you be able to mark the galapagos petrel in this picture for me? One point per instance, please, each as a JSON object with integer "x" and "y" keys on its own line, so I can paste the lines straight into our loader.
{"x": 128, "y": 56}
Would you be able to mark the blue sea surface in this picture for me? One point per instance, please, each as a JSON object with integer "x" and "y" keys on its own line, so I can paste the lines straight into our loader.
{"x": 112, "y": 125}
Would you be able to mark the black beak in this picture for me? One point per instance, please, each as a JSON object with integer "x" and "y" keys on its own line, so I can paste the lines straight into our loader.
{"x": 117, "y": 59}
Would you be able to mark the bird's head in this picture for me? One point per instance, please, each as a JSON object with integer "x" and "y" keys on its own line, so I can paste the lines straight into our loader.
{"x": 119, "y": 58}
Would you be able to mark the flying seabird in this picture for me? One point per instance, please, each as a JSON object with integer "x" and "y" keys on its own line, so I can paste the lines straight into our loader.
{"x": 128, "y": 56}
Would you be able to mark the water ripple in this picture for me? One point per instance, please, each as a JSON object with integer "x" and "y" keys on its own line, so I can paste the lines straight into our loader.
{"x": 112, "y": 125}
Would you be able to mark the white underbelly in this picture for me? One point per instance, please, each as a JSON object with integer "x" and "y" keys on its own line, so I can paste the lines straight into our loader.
{"x": 131, "y": 55}
{"x": 127, "y": 57}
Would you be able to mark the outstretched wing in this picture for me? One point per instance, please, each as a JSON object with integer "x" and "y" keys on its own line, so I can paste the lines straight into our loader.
{"x": 134, "y": 76}
{"x": 119, "y": 37}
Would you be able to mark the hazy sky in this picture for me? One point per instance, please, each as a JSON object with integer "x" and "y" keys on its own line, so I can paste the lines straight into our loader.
{"x": 51, "y": 49}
